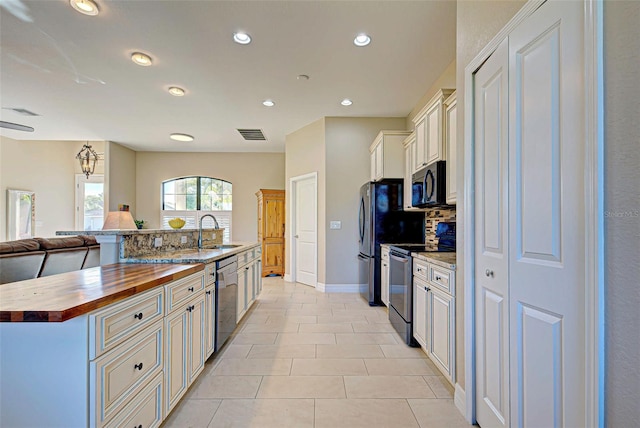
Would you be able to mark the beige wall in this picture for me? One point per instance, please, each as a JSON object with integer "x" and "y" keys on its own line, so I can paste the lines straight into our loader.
{"x": 47, "y": 168}
{"x": 248, "y": 172}
{"x": 447, "y": 80}
{"x": 305, "y": 153}
{"x": 622, "y": 212}
{"x": 120, "y": 177}
{"x": 477, "y": 23}
{"x": 347, "y": 142}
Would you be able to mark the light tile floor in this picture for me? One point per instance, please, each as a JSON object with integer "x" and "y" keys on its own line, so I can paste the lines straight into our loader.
{"x": 301, "y": 358}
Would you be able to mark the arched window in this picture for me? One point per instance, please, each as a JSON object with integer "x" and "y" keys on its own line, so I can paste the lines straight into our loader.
{"x": 192, "y": 197}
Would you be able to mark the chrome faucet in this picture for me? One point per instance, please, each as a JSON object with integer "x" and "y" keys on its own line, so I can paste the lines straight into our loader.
{"x": 215, "y": 222}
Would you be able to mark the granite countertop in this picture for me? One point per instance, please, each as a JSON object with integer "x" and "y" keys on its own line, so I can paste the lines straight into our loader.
{"x": 120, "y": 232}
{"x": 443, "y": 259}
{"x": 194, "y": 255}
{"x": 61, "y": 297}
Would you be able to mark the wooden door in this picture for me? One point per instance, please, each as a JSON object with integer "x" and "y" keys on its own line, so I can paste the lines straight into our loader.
{"x": 491, "y": 243}
{"x": 271, "y": 229}
{"x": 547, "y": 214}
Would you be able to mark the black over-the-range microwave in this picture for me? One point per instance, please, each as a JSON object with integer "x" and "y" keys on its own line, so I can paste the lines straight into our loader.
{"x": 428, "y": 187}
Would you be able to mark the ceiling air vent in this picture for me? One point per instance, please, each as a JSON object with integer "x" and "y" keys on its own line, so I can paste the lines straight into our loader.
{"x": 252, "y": 134}
{"x": 22, "y": 111}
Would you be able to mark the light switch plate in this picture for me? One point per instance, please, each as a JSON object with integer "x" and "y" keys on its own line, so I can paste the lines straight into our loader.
{"x": 183, "y": 239}
{"x": 157, "y": 242}
{"x": 335, "y": 225}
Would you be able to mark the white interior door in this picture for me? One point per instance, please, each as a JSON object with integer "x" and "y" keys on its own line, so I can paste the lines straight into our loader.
{"x": 304, "y": 262}
{"x": 547, "y": 217}
{"x": 491, "y": 240}
{"x": 89, "y": 202}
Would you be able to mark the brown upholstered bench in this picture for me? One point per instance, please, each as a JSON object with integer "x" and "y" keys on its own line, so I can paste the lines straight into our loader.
{"x": 32, "y": 258}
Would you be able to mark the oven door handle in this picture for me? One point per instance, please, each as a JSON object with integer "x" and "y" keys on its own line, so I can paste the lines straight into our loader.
{"x": 400, "y": 257}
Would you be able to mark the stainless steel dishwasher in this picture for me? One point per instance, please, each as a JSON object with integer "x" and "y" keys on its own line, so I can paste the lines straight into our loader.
{"x": 226, "y": 299}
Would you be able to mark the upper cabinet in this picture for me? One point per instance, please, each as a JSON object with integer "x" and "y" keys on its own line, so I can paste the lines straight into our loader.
{"x": 429, "y": 129}
{"x": 450, "y": 133}
{"x": 409, "y": 155}
{"x": 387, "y": 155}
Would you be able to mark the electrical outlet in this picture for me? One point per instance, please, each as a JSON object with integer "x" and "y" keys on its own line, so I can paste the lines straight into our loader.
{"x": 335, "y": 225}
{"x": 213, "y": 235}
{"x": 157, "y": 242}
{"x": 183, "y": 239}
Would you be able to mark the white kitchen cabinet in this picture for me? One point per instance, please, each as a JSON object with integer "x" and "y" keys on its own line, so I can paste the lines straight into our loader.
{"x": 409, "y": 145}
{"x": 429, "y": 129}
{"x": 249, "y": 279}
{"x": 387, "y": 155}
{"x": 451, "y": 140}
{"x": 384, "y": 276}
{"x": 441, "y": 331}
{"x": 185, "y": 344}
{"x": 210, "y": 320}
{"x": 242, "y": 293}
{"x": 420, "y": 322}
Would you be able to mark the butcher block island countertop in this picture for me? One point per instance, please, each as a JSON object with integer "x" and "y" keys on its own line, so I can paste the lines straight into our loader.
{"x": 65, "y": 296}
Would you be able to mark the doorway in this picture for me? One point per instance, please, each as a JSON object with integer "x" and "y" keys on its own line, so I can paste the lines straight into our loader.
{"x": 89, "y": 202}
{"x": 303, "y": 234}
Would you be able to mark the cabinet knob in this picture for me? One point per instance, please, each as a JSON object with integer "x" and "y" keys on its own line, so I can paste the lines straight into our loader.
{"x": 189, "y": 309}
{"x": 207, "y": 292}
{"x": 138, "y": 366}
{"x": 488, "y": 273}
{"x": 138, "y": 316}
{"x": 419, "y": 270}
{"x": 190, "y": 289}
{"x": 438, "y": 278}
{"x": 426, "y": 288}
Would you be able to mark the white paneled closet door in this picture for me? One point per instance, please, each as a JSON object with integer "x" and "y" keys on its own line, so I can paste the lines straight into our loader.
{"x": 491, "y": 85}
{"x": 547, "y": 217}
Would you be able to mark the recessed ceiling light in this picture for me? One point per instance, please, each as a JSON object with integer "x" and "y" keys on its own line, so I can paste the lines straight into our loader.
{"x": 346, "y": 102}
{"x": 362, "y": 40}
{"x": 303, "y": 77}
{"x": 268, "y": 103}
{"x": 176, "y": 91}
{"x": 242, "y": 38}
{"x": 86, "y": 7}
{"x": 181, "y": 137}
{"x": 141, "y": 59}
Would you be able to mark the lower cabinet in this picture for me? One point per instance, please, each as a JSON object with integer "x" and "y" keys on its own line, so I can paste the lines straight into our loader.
{"x": 384, "y": 276}
{"x": 145, "y": 410}
{"x": 185, "y": 348}
{"x": 249, "y": 280}
{"x": 420, "y": 322}
{"x": 441, "y": 331}
{"x": 242, "y": 293}
{"x": 210, "y": 320}
{"x": 434, "y": 315}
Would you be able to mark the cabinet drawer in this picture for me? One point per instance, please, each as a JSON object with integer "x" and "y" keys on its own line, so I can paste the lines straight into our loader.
{"x": 420, "y": 269}
{"x": 181, "y": 291}
{"x": 442, "y": 279}
{"x": 145, "y": 410}
{"x": 118, "y": 322}
{"x": 117, "y": 376}
{"x": 210, "y": 274}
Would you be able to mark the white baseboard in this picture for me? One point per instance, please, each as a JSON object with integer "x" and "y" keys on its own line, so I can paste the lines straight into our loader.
{"x": 338, "y": 288}
{"x": 287, "y": 277}
{"x": 459, "y": 399}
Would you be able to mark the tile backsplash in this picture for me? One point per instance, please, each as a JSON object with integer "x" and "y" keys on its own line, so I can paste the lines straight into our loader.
{"x": 434, "y": 216}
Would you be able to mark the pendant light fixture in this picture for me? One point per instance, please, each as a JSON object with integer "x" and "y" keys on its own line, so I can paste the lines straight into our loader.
{"x": 88, "y": 159}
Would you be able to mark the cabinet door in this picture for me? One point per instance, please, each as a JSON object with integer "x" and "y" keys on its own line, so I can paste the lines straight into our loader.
{"x": 408, "y": 168}
{"x": 433, "y": 134}
{"x": 420, "y": 290}
{"x": 176, "y": 358}
{"x": 373, "y": 166}
{"x": 242, "y": 287}
{"x": 420, "y": 158}
{"x": 451, "y": 139}
{"x": 210, "y": 321}
{"x": 259, "y": 276}
{"x": 441, "y": 326}
{"x": 380, "y": 161}
{"x": 197, "y": 329}
{"x": 384, "y": 283}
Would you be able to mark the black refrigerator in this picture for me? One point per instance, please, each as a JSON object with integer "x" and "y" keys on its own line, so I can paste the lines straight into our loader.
{"x": 382, "y": 220}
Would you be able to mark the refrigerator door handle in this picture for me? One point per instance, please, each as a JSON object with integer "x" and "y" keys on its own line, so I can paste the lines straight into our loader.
{"x": 363, "y": 258}
{"x": 361, "y": 219}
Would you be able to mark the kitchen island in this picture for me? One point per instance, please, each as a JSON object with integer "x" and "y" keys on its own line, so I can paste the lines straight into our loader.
{"x": 115, "y": 345}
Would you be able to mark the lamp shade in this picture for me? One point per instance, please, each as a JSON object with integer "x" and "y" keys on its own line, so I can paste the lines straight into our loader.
{"x": 119, "y": 220}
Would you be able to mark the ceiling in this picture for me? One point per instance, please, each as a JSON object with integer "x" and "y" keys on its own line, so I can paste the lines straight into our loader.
{"x": 75, "y": 71}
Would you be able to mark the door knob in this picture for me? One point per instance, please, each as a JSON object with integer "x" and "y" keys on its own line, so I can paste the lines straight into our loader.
{"x": 488, "y": 273}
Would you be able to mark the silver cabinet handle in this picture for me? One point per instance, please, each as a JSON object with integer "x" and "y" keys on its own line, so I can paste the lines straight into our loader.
{"x": 488, "y": 273}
